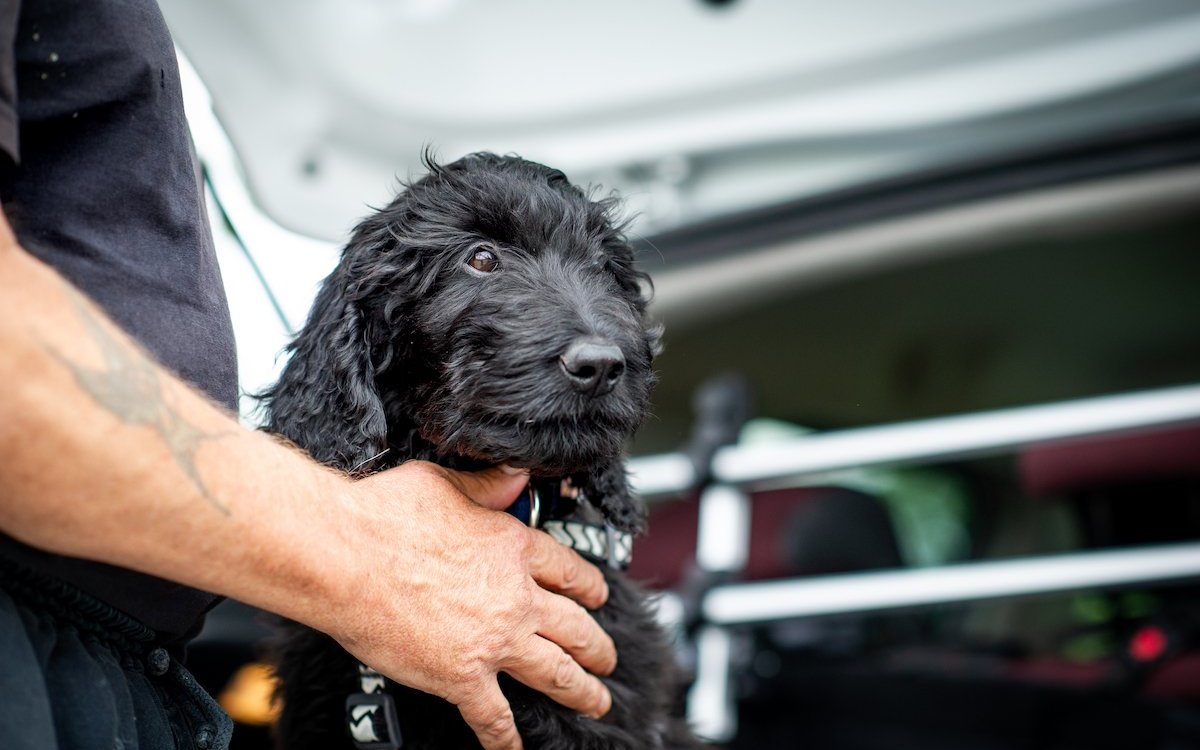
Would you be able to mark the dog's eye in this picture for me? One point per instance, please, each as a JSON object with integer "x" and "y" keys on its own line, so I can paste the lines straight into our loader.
{"x": 484, "y": 261}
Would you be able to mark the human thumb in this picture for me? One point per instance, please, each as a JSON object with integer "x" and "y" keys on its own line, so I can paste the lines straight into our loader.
{"x": 495, "y": 488}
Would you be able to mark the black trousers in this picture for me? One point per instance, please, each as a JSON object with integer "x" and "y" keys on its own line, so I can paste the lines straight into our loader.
{"x": 76, "y": 674}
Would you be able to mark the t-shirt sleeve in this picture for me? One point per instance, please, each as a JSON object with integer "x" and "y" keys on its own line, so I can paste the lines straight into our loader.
{"x": 10, "y": 12}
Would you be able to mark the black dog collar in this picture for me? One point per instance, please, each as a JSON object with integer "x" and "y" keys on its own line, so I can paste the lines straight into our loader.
{"x": 563, "y": 518}
{"x": 598, "y": 542}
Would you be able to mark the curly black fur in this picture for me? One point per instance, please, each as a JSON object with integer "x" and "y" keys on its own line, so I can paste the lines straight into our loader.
{"x": 410, "y": 353}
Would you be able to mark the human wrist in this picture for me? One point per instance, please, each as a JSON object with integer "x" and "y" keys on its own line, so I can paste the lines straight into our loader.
{"x": 329, "y": 561}
{"x": 318, "y": 551}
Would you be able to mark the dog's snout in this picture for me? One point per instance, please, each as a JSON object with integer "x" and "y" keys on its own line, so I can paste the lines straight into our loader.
{"x": 593, "y": 366}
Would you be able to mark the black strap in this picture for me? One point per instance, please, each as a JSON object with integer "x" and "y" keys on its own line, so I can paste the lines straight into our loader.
{"x": 371, "y": 719}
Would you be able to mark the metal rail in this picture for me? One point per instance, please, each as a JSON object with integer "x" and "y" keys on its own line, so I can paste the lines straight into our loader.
{"x": 863, "y": 592}
{"x": 723, "y": 538}
{"x": 925, "y": 441}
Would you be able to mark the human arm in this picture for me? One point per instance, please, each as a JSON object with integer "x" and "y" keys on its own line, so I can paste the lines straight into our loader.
{"x": 106, "y": 456}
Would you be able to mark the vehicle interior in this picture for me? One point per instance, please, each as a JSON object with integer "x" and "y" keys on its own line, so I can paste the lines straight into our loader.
{"x": 982, "y": 307}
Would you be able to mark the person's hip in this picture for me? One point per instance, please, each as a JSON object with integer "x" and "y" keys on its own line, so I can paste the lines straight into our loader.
{"x": 79, "y": 674}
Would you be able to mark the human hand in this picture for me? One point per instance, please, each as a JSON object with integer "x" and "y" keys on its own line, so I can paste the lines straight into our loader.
{"x": 447, "y": 593}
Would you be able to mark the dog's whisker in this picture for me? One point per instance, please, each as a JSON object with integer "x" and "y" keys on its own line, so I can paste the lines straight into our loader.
{"x": 366, "y": 461}
{"x": 646, "y": 241}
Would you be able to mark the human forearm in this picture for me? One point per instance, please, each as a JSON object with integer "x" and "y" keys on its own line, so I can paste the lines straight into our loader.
{"x": 105, "y": 455}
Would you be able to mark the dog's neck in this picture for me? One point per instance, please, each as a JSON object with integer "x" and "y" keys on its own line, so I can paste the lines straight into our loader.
{"x": 408, "y": 445}
{"x": 604, "y": 484}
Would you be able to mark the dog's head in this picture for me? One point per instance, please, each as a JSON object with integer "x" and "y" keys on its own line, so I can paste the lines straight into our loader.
{"x": 492, "y": 310}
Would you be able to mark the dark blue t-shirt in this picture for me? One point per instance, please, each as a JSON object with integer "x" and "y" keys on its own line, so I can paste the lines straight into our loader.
{"x": 99, "y": 180}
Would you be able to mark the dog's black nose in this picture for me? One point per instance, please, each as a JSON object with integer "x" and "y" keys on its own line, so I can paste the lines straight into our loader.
{"x": 593, "y": 366}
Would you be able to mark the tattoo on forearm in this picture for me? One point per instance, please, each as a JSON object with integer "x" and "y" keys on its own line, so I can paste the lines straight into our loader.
{"x": 128, "y": 386}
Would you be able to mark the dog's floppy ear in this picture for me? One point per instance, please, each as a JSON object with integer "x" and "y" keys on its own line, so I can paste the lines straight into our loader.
{"x": 326, "y": 400}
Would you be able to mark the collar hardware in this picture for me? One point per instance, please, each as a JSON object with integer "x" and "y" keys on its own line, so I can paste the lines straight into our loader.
{"x": 568, "y": 519}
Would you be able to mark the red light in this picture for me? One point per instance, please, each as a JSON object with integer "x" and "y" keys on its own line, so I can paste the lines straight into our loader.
{"x": 1148, "y": 644}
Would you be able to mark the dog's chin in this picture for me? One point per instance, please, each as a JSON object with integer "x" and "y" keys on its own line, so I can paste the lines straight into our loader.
{"x": 546, "y": 449}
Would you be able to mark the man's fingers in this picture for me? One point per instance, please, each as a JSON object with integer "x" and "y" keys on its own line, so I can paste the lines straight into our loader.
{"x": 491, "y": 718}
{"x": 560, "y": 569}
{"x": 548, "y": 669}
{"x": 495, "y": 488}
{"x": 570, "y": 626}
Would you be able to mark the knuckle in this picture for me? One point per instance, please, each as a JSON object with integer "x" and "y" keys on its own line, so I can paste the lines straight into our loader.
{"x": 584, "y": 630}
{"x": 523, "y": 601}
{"x": 475, "y": 673}
{"x": 496, "y": 642}
{"x": 512, "y": 620}
{"x": 423, "y": 468}
{"x": 466, "y": 674}
{"x": 569, "y": 571}
{"x": 518, "y": 538}
{"x": 565, "y": 672}
{"x": 499, "y": 724}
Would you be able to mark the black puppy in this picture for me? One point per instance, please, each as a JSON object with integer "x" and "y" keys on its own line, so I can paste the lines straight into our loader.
{"x": 491, "y": 314}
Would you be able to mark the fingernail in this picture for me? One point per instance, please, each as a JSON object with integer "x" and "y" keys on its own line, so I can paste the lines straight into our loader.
{"x": 611, "y": 667}
{"x": 512, "y": 471}
{"x": 605, "y": 705}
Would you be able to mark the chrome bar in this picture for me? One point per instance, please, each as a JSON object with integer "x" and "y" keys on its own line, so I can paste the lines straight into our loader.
{"x": 862, "y": 592}
{"x": 722, "y": 546}
{"x": 723, "y": 529}
{"x": 664, "y": 474}
{"x": 957, "y": 437}
{"x": 711, "y": 709}
{"x": 926, "y": 441}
